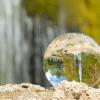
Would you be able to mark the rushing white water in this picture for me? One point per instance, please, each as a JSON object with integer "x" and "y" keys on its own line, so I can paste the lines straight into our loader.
{"x": 14, "y": 48}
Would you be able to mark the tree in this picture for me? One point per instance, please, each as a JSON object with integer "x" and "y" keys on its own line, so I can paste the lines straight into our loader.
{"x": 85, "y": 15}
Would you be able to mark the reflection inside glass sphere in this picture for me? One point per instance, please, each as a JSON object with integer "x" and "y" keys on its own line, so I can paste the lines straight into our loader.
{"x": 72, "y": 56}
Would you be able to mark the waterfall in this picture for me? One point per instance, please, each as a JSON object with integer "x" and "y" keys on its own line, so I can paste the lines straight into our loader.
{"x": 14, "y": 47}
{"x": 43, "y": 32}
{"x": 78, "y": 62}
{"x": 23, "y": 41}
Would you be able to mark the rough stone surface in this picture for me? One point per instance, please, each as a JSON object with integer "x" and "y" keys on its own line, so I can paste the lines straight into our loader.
{"x": 63, "y": 91}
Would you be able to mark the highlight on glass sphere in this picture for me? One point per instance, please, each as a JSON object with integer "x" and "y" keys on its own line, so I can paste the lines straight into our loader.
{"x": 73, "y": 56}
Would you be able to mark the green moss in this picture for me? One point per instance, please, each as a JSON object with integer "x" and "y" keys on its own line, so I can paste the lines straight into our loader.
{"x": 70, "y": 71}
{"x": 90, "y": 69}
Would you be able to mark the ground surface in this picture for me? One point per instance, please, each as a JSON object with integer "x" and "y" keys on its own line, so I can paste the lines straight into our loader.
{"x": 63, "y": 91}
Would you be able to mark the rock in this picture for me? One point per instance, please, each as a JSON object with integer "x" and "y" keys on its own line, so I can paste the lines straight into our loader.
{"x": 63, "y": 91}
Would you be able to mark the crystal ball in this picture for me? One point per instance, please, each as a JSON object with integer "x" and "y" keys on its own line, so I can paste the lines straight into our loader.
{"x": 72, "y": 56}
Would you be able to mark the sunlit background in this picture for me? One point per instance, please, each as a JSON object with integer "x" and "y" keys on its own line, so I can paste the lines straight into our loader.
{"x": 28, "y": 26}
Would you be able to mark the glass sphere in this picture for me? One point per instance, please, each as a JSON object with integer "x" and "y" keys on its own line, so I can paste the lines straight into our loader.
{"x": 73, "y": 56}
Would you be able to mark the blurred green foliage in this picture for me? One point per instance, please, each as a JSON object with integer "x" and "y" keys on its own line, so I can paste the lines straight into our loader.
{"x": 41, "y": 7}
{"x": 82, "y": 14}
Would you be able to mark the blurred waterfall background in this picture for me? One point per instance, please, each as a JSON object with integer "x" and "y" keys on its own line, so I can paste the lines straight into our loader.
{"x": 22, "y": 44}
{"x": 14, "y": 45}
{"x": 28, "y": 26}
